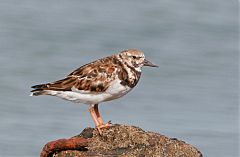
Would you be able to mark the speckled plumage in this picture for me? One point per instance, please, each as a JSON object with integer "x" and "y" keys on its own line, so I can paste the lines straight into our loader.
{"x": 102, "y": 80}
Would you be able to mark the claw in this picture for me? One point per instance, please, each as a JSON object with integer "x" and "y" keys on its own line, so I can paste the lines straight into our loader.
{"x": 100, "y": 127}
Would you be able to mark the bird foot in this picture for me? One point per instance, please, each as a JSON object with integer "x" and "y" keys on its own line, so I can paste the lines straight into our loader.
{"x": 100, "y": 127}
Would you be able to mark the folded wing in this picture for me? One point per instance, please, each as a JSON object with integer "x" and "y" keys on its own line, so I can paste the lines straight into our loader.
{"x": 92, "y": 77}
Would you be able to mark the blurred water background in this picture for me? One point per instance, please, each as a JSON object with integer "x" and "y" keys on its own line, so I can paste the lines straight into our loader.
{"x": 192, "y": 96}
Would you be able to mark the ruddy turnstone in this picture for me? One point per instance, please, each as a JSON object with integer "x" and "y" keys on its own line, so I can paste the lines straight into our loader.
{"x": 102, "y": 80}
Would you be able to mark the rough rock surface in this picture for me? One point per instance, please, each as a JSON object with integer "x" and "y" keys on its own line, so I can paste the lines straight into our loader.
{"x": 119, "y": 140}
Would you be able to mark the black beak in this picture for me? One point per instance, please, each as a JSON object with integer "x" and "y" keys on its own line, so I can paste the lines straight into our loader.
{"x": 148, "y": 63}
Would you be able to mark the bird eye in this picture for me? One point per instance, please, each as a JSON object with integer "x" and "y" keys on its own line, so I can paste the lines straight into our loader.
{"x": 134, "y": 57}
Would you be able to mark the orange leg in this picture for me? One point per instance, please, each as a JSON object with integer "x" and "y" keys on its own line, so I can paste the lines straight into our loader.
{"x": 99, "y": 118}
{"x": 93, "y": 109}
{"x": 92, "y": 112}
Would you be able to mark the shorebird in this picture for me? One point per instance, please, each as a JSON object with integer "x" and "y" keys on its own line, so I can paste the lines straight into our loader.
{"x": 102, "y": 80}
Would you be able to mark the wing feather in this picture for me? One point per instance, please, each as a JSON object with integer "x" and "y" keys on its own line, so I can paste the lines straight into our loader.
{"x": 92, "y": 77}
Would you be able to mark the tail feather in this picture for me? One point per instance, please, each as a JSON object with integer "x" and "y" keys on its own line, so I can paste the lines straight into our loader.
{"x": 44, "y": 89}
{"x": 37, "y": 93}
{"x": 39, "y": 90}
{"x": 40, "y": 86}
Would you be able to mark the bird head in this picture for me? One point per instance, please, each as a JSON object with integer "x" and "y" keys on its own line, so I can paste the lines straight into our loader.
{"x": 135, "y": 58}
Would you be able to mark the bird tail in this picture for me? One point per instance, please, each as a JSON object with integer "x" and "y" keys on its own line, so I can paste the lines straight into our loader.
{"x": 39, "y": 90}
{"x": 52, "y": 88}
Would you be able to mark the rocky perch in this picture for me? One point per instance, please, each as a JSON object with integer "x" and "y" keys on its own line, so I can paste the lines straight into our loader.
{"x": 119, "y": 140}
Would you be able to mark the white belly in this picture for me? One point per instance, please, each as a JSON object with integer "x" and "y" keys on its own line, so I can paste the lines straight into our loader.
{"x": 115, "y": 90}
{"x": 81, "y": 97}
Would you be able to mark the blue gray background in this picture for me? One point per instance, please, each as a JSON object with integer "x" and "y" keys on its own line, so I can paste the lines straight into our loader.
{"x": 192, "y": 96}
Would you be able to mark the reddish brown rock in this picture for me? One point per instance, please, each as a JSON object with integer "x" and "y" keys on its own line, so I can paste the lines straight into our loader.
{"x": 75, "y": 143}
{"x": 119, "y": 140}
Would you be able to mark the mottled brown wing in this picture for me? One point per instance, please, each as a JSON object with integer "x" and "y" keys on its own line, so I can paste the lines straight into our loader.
{"x": 92, "y": 77}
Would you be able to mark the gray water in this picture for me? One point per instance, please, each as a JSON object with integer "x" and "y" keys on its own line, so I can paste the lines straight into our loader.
{"x": 192, "y": 96}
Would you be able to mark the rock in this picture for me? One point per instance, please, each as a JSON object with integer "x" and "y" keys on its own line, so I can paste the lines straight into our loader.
{"x": 119, "y": 140}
